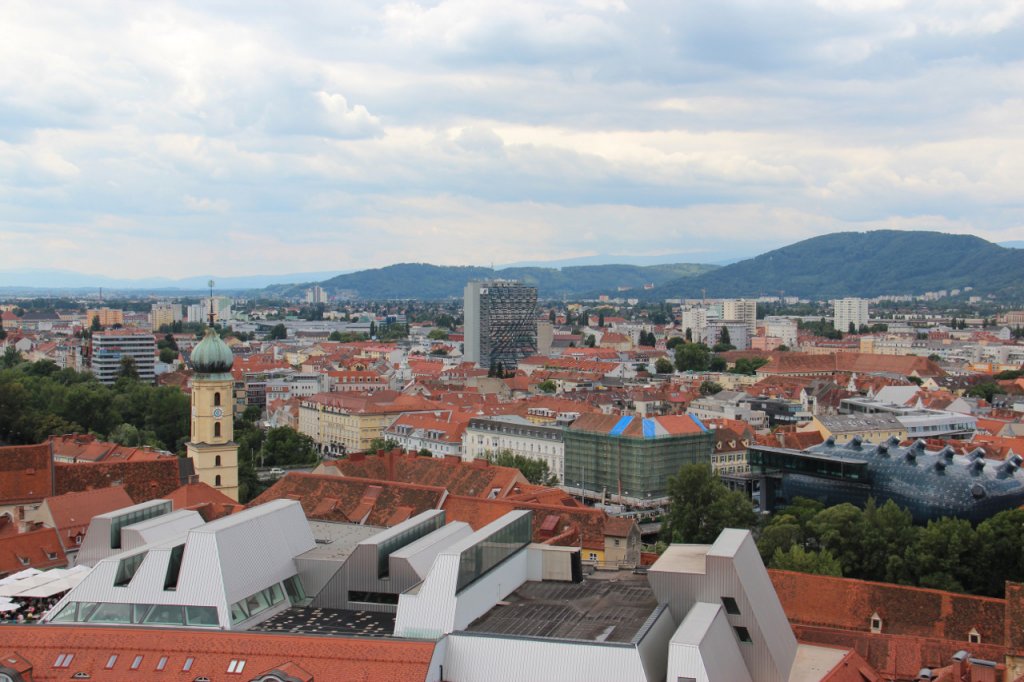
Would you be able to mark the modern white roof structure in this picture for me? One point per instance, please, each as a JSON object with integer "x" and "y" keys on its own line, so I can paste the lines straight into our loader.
{"x": 231, "y": 573}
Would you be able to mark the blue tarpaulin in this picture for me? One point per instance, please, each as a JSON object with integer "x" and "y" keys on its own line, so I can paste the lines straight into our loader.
{"x": 650, "y": 428}
{"x": 621, "y": 426}
{"x": 698, "y": 422}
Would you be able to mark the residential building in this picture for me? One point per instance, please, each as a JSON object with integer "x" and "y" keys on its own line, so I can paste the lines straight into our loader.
{"x": 872, "y": 428}
{"x": 349, "y": 422}
{"x": 628, "y": 459}
{"x": 212, "y": 447}
{"x": 70, "y": 514}
{"x": 485, "y": 436}
{"x": 744, "y": 311}
{"x": 783, "y": 328}
{"x": 500, "y": 323}
{"x": 931, "y": 484}
{"x": 316, "y": 294}
{"x": 730, "y": 453}
{"x": 849, "y": 311}
{"x": 439, "y": 433}
{"x": 164, "y": 314}
{"x": 108, "y": 347}
{"x": 107, "y": 317}
{"x": 736, "y": 331}
{"x": 37, "y": 547}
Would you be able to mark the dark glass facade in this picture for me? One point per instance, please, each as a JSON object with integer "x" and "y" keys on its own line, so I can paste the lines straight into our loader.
{"x": 498, "y": 546}
{"x": 931, "y": 484}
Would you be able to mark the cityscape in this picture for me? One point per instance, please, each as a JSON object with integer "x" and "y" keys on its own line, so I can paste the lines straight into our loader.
{"x": 456, "y": 342}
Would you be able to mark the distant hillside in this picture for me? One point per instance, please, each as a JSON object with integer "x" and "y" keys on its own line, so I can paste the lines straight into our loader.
{"x": 425, "y": 281}
{"x": 865, "y": 264}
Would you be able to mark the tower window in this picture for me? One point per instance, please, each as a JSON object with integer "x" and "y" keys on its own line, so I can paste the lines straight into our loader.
{"x": 216, "y": 430}
{"x": 216, "y": 481}
{"x": 216, "y": 398}
{"x": 216, "y": 461}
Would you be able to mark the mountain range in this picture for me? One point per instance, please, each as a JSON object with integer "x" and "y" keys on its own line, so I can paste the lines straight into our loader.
{"x": 865, "y": 264}
{"x": 839, "y": 264}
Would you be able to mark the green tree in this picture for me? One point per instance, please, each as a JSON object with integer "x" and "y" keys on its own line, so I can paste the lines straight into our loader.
{"x": 278, "y": 332}
{"x": 717, "y": 364}
{"x": 591, "y": 341}
{"x": 748, "y": 365}
{"x": 663, "y": 366}
{"x": 688, "y": 335}
{"x": 852, "y": 329}
{"x": 1000, "y": 555}
{"x": 986, "y": 390}
{"x": 796, "y": 558}
{"x": 782, "y": 532}
{"x": 888, "y": 531}
{"x": 693, "y": 357}
{"x": 335, "y": 336}
{"x": 251, "y": 414}
{"x": 840, "y": 529}
{"x": 600, "y": 318}
{"x": 534, "y": 470}
{"x": 373, "y": 329}
{"x": 11, "y": 357}
{"x": 95, "y": 325}
{"x": 942, "y": 555}
{"x": 438, "y": 335}
{"x": 701, "y": 506}
{"x": 710, "y": 388}
{"x": 548, "y": 386}
{"x": 378, "y": 444}
{"x": 723, "y": 336}
{"x": 168, "y": 355}
{"x": 286, "y": 446}
{"x": 128, "y": 369}
{"x": 675, "y": 341}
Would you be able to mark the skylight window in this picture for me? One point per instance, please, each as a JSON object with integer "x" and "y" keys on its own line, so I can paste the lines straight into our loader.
{"x": 236, "y": 666}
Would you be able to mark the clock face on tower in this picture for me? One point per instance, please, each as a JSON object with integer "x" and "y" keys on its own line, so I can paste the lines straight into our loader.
{"x": 217, "y": 412}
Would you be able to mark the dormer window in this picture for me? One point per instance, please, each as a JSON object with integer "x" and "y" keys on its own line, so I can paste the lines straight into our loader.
{"x": 876, "y": 623}
{"x": 974, "y": 637}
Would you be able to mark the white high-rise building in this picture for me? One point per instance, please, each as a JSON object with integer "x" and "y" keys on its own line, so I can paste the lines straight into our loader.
{"x": 848, "y": 311}
{"x": 742, "y": 310}
{"x": 782, "y": 328}
{"x": 316, "y": 294}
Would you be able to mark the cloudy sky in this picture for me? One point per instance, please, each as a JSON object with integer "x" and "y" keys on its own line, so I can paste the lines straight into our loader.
{"x": 240, "y": 137}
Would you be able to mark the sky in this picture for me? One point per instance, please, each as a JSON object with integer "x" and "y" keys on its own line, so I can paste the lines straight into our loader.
{"x": 174, "y": 139}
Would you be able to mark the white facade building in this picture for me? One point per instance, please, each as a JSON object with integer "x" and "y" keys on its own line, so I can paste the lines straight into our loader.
{"x": 783, "y": 328}
{"x": 231, "y": 573}
{"x": 847, "y": 311}
{"x": 490, "y": 435}
{"x": 109, "y": 347}
{"x": 742, "y": 310}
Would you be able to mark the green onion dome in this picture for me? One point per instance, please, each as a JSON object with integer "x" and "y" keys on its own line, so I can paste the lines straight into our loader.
{"x": 212, "y": 355}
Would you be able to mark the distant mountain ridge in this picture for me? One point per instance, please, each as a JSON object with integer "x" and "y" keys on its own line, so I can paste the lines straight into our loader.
{"x": 426, "y": 281}
{"x": 865, "y": 264}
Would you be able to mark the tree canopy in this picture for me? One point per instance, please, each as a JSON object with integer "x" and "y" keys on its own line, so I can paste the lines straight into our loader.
{"x": 693, "y": 357}
{"x": 535, "y": 471}
{"x": 701, "y": 506}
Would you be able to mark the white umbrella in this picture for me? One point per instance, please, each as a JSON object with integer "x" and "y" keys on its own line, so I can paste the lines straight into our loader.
{"x": 9, "y": 606}
{"x": 20, "y": 575}
{"x": 46, "y": 590}
{"x": 41, "y": 578}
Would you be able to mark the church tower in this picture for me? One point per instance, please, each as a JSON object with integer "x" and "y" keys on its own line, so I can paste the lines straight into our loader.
{"x": 212, "y": 448}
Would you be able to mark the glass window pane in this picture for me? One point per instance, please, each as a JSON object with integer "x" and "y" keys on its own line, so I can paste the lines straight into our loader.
{"x": 67, "y": 614}
{"x": 170, "y": 615}
{"x": 111, "y": 613}
{"x": 201, "y": 615}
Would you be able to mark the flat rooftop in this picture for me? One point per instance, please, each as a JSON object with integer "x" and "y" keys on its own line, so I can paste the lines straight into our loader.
{"x": 683, "y": 559}
{"x": 336, "y": 541}
{"x": 315, "y": 621}
{"x": 602, "y": 608}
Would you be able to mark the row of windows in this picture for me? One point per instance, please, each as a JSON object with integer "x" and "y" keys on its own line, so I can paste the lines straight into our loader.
{"x": 119, "y": 522}
{"x": 137, "y": 614}
{"x": 235, "y": 666}
{"x": 256, "y": 603}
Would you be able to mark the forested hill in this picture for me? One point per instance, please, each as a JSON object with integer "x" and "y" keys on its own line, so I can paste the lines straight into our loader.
{"x": 425, "y": 281}
{"x": 865, "y": 264}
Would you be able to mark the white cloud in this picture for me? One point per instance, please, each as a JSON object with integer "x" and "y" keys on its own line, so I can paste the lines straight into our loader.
{"x": 343, "y": 135}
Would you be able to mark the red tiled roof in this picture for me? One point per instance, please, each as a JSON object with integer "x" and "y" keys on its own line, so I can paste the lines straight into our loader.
{"x": 349, "y": 499}
{"x": 861, "y": 363}
{"x": 904, "y": 610}
{"x": 203, "y": 498}
{"x": 322, "y": 658}
{"x": 72, "y": 512}
{"x": 25, "y": 473}
{"x": 142, "y": 480}
{"x": 34, "y": 547}
{"x": 476, "y": 479}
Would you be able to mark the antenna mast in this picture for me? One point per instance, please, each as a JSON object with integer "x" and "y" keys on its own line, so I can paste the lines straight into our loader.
{"x": 210, "y": 284}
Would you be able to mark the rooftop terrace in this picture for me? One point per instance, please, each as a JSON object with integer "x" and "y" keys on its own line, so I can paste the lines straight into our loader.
{"x": 603, "y": 608}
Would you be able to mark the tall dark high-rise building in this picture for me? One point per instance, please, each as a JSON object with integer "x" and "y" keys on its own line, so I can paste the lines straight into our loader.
{"x": 500, "y": 323}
